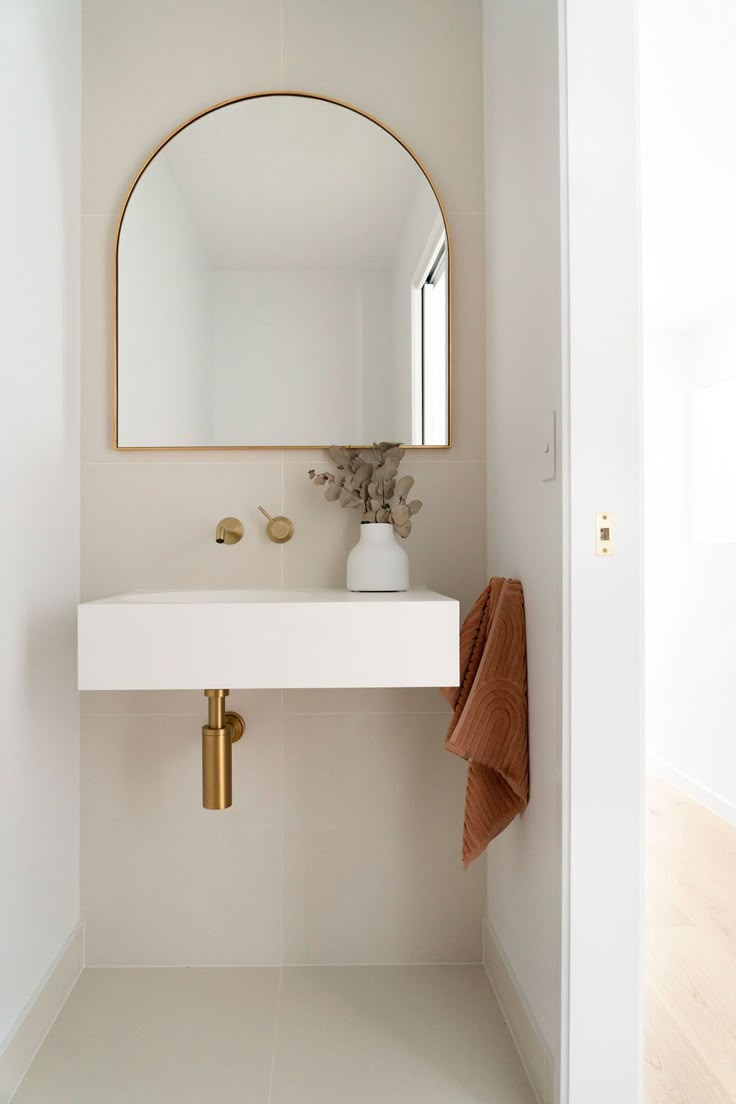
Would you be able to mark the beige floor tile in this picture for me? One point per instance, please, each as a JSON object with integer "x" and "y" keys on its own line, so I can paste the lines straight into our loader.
{"x": 430, "y": 1035}
{"x": 398, "y": 1035}
{"x": 159, "y": 1037}
{"x": 373, "y": 811}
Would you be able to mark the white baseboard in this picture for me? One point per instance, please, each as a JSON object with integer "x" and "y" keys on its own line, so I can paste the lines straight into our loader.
{"x": 717, "y": 804}
{"x": 535, "y": 1056}
{"x": 36, "y": 1019}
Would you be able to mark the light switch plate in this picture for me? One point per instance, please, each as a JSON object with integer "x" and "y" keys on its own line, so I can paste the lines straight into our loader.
{"x": 549, "y": 448}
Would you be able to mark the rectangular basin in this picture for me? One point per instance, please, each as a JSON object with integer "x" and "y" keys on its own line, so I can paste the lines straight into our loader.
{"x": 265, "y": 639}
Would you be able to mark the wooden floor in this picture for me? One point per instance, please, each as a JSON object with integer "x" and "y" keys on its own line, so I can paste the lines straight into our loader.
{"x": 690, "y": 972}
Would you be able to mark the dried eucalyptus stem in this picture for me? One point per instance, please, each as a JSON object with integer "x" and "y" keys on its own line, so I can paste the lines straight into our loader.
{"x": 368, "y": 480}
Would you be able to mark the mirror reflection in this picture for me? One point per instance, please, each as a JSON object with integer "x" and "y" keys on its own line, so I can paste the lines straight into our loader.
{"x": 283, "y": 279}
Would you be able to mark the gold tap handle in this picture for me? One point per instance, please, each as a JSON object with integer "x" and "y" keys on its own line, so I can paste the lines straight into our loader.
{"x": 280, "y": 529}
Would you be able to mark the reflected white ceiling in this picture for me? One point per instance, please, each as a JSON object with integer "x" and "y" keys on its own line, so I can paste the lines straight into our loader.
{"x": 291, "y": 182}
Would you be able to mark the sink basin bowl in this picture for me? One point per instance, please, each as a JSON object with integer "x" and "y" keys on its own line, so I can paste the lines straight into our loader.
{"x": 194, "y": 639}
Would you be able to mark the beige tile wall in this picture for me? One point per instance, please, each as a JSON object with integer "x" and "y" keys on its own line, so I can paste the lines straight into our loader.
{"x": 343, "y": 842}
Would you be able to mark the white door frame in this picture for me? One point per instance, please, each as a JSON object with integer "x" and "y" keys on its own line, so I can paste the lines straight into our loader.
{"x": 602, "y": 1045}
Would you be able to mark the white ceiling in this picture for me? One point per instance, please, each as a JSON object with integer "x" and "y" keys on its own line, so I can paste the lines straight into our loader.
{"x": 688, "y": 153}
{"x": 292, "y": 182}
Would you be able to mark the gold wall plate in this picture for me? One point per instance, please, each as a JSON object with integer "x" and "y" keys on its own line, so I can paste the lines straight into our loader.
{"x": 237, "y": 725}
{"x": 279, "y": 529}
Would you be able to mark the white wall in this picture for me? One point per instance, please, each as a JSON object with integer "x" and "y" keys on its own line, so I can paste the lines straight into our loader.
{"x": 306, "y": 347}
{"x": 320, "y": 858}
{"x": 688, "y": 93}
{"x": 564, "y": 885}
{"x": 39, "y": 491}
{"x": 165, "y": 336}
{"x": 603, "y": 796}
{"x": 690, "y": 407}
{"x": 523, "y": 264}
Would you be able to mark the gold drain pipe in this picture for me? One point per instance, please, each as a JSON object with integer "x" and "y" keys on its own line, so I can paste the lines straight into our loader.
{"x": 218, "y": 736}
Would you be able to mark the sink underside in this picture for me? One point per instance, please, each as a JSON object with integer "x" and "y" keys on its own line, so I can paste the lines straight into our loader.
{"x": 181, "y": 640}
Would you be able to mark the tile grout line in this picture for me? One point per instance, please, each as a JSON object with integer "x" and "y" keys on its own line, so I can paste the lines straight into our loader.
{"x": 281, "y": 913}
{"x": 392, "y": 965}
{"x": 281, "y": 42}
{"x": 275, "y": 1035}
{"x": 129, "y": 462}
{"x": 298, "y": 713}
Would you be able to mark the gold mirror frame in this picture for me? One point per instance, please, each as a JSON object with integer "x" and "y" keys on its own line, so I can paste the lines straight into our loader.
{"x": 241, "y": 448}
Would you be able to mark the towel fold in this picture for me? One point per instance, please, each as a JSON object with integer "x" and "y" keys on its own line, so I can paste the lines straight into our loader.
{"x": 490, "y": 725}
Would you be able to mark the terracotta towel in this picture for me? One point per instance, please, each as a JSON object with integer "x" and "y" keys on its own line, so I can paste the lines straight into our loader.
{"x": 490, "y": 724}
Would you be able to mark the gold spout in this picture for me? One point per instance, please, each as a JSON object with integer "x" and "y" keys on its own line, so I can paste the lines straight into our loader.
{"x": 218, "y": 736}
{"x": 229, "y": 531}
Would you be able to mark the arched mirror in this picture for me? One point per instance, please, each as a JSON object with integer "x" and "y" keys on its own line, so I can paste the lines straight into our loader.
{"x": 282, "y": 280}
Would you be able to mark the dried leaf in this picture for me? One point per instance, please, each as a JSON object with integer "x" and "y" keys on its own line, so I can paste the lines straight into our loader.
{"x": 368, "y": 480}
{"x": 404, "y": 485}
{"x": 363, "y": 474}
{"x": 387, "y": 470}
{"x": 338, "y": 456}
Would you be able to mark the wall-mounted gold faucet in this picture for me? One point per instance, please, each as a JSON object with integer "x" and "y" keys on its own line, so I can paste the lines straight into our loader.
{"x": 218, "y": 736}
{"x": 229, "y": 531}
{"x": 279, "y": 529}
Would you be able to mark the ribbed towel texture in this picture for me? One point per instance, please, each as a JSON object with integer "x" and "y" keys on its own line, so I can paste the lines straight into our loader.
{"x": 490, "y": 726}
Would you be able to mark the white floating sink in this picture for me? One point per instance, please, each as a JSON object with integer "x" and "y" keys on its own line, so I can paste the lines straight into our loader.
{"x": 265, "y": 639}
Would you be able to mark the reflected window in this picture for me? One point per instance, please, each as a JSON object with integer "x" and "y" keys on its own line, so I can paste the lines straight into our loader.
{"x": 430, "y": 349}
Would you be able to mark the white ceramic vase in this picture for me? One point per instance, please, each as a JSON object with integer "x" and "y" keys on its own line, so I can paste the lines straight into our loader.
{"x": 379, "y": 561}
